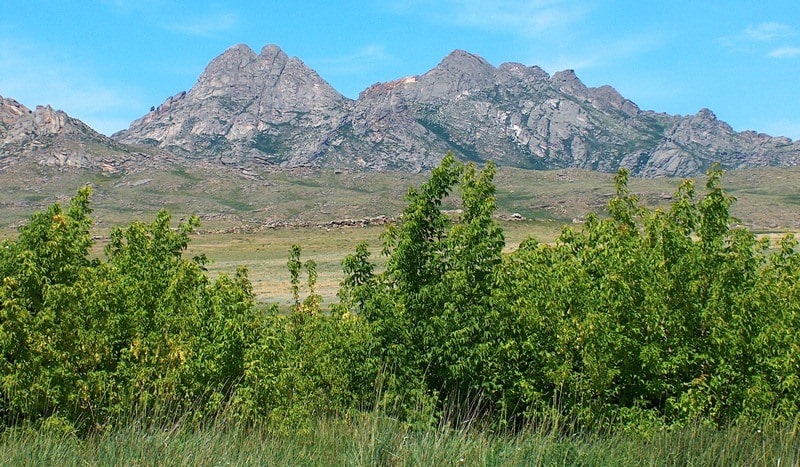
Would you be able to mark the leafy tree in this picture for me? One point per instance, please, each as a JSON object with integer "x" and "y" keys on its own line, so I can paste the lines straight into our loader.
{"x": 308, "y": 364}
{"x": 87, "y": 340}
{"x": 430, "y": 308}
{"x": 643, "y": 317}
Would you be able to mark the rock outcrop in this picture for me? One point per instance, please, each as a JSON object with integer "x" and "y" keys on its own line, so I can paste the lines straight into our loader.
{"x": 48, "y": 137}
{"x": 267, "y": 109}
{"x": 690, "y": 144}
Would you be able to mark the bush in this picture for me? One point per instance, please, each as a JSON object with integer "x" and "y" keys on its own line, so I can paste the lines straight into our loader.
{"x": 87, "y": 339}
{"x": 639, "y": 319}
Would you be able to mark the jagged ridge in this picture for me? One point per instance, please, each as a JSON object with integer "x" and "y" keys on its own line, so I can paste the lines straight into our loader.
{"x": 51, "y": 138}
{"x": 269, "y": 109}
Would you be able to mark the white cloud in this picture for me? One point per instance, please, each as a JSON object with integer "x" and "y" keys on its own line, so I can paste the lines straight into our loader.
{"x": 527, "y": 18}
{"x": 755, "y": 38}
{"x": 765, "y": 32}
{"x": 204, "y": 25}
{"x": 34, "y": 76}
{"x": 785, "y": 52}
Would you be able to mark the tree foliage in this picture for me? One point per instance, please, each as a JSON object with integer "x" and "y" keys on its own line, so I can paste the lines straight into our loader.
{"x": 85, "y": 339}
{"x": 644, "y": 316}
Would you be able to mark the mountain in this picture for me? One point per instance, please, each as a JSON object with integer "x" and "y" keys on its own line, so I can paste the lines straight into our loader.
{"x": 266, "y": 108}
{"x": 251, "y": 111}
{"x": 272, "y": 109}
{"x": 521, "y": 116}
{"x": 51, "y": 138}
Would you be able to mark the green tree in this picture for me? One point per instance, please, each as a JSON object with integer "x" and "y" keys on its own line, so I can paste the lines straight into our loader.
{"x": 86, "y": 340}
{"x": 430, "y": 309}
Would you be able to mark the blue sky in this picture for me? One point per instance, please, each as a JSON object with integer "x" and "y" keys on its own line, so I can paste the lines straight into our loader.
{"x": 106, "y": 62}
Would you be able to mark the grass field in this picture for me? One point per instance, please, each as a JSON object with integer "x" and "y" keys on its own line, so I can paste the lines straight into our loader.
{"x": 372, "y": 439}
{"x": 239, "y": 215}
{"x": 265, "y": 253}
{"x": 769, "y": 198}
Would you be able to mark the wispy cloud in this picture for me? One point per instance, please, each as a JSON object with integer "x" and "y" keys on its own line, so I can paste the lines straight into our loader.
{"x": 174, "y": 16}
{"x": 598, "y": 55}
{"x": 761, "y": 39}
{"x": 363, "y": 59}
{"x": 39, "y": 77}
{"x": 556, "y": 34}
{"x": 519, "y": 17}
{"x": 206, "y": 25}
{"x": 785, "y": 52}
{"x": 528, "y": 18}
{"x": 134, "y": 6}
{"x": 356, "y": 59}
{"x": 769, "y": 31}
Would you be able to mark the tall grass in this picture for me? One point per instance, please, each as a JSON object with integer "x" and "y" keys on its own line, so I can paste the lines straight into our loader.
{"x": 375, "y": 439}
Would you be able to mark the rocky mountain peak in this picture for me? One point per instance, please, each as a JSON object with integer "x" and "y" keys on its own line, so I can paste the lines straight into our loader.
{"x": 20, "y": 123}
{"x": 705, "y": 114}
{"x": 49, "y": 137}
{"x": 11, "y": 111}
{"x": 608, "y": 98}
{"x": 245, "y": 106}
{"x": 234, "y": 58}
{"x": 271, "y": 52}
{"x": 567, "y": 81}
{"x": 272, "y": 109}
{"x": 49, "y": 121}
{"x": 458, "y": 73}
{"x": 702, "y": 128}
{"x": 463, "y": 60}
{"x": 227, "y": 74}
{"x": 521, "y": 72}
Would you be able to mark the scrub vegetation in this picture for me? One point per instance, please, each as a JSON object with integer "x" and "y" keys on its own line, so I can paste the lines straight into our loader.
{"x": 649, "y": 335}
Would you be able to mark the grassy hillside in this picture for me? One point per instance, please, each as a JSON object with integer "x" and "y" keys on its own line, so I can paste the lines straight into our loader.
{"x": 253, "y": 218}
{"x": 230, "y": 198}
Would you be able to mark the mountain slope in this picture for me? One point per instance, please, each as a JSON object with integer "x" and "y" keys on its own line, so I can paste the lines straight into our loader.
{"x": 51, "y": 138}
{"x": 265, "y": 108}
{"x": 520, "y": 116}
{"x": 269, "y": 109}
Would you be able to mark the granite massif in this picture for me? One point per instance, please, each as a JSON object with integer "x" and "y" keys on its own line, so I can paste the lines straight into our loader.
{"x": 266, "y": 109}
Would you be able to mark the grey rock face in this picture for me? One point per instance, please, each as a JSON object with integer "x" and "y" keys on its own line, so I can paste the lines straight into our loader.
{"x": 272, "y": 109}
{"x": 693, "y": 143}
{"x": 266, "y": 108}
{"x": 51, "y": 138}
